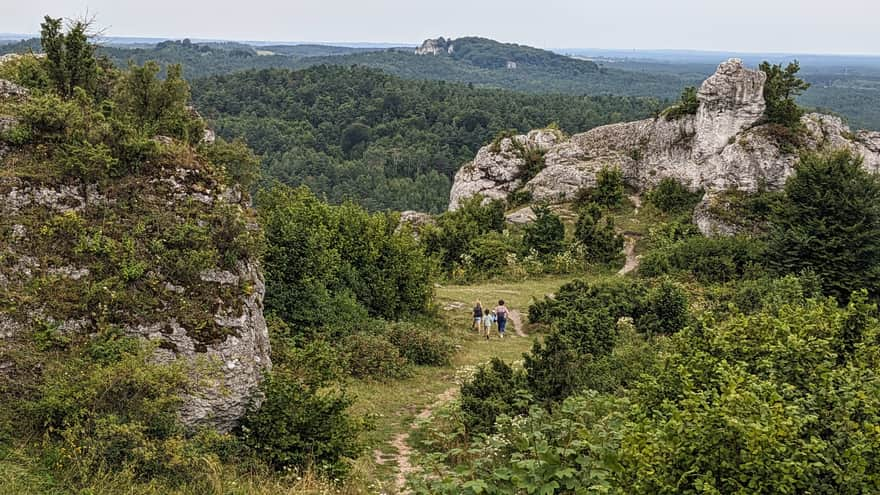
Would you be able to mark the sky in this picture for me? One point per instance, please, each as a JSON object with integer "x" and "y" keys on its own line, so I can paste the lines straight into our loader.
{"x": 793, "y": 26}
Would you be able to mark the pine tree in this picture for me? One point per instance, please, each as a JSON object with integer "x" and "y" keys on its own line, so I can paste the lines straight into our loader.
{"x": 829, "y": 222}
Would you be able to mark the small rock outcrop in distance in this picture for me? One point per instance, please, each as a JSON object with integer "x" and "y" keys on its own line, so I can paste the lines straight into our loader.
{"x": 724, "y": 146}
{"x": 437, "y": 46}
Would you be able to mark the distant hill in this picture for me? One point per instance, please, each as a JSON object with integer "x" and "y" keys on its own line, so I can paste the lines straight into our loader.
{"x": 844, "y": 85}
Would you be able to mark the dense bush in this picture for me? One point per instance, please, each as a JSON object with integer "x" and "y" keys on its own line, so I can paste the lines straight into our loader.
{"x": 609, "y": 187}
{"x": 664, "y": 309}
{"x": 299, "y": 426}
{"x": 671, "y": 196}
{"x": 618, "y": 296}
{"x": 374, "y": 357}
{"x": 495, "y": 389}
{"x": 553, "y": 368}
{"x": 708, "y": 259}
{"x": 456, "y": 231}
{"x": 546, "y": 235}
{"x": 420, "y": 345}
{"x": 597, "y": 236}
{"x": 829, "y": 222}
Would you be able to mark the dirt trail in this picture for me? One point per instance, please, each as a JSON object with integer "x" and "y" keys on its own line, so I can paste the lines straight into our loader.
{"x": 632, "y": 261}
{"x": 631, "y": 238}
{"x": 516, "y": 319}
{"x": 402, "y": 451}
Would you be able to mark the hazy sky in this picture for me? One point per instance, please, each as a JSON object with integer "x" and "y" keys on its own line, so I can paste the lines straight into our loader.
{"x": 805, "y": 26}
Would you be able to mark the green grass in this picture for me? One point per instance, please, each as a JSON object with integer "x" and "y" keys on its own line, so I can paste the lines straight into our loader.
{"x": 394, "y": 405}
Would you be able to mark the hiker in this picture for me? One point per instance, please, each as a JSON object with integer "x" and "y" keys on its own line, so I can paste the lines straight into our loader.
{"x": 488, "y": 319}
{"x": 501, "y": 313}
{"x": 478, "y": 316}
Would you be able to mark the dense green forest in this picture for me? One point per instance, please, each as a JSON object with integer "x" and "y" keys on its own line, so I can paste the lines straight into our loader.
{"x": 847, "y": 88}
{"x": 385, "y": 142}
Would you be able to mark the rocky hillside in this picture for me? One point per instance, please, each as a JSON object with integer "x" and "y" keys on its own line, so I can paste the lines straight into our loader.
{"x": 166, "y": 251}
{"x": 725, "y": 145}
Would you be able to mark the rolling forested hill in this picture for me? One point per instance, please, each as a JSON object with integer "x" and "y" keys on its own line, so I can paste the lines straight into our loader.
{"x": 386, "y": 142}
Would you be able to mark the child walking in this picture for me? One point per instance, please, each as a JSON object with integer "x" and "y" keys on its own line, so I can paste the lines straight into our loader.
{"x": 488, "y": 319}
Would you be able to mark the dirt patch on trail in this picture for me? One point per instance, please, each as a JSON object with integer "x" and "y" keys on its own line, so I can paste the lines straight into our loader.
{"x": 632, "y": 261}
{"x": 516, "y": 319}
{"x": 402, "y": 455}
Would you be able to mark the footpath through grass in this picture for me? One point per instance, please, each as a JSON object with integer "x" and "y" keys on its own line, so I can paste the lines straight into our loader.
{"x": 395, "y": 405}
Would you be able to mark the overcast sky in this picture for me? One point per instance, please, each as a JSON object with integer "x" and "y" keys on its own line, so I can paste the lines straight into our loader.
{"x": 803, "y": 26}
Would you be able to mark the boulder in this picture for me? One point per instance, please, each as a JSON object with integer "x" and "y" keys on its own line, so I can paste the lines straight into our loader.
{"x": 521, "y": 216}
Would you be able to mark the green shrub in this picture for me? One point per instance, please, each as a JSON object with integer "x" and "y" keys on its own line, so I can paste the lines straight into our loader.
{"x": 546, "y": 235}
{"x": 708, "y": 259}
{"x": 297, "y": 426}
{"x": 592, "y": 332}
{"x": 241, "y": 165}
{"x": 688, "y": 104}
{"x": 374, "y": 357}
{"x": 456, "y": 230}
{"x": 829, "y": 222}
{"x": 495, "y": 389}
{"x": 664, "y": 310}
{"x": 553, "y": 368}
{"x": 597, "y": 235}
{"x": 489, "y": 252}
{"x": 618, "y": 296}
{"x": 87, "y": 426}
{"x": 609, "y": 187}
{"x": 671, "y": 196}
{"x": 419, "y": 345}
{"x": 780, "y": 93}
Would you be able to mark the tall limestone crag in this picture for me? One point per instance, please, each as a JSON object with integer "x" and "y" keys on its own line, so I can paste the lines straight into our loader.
{"x": 724, "y": 146}
{"x": 731, "y": 100}
{"x": 77, "y": 257}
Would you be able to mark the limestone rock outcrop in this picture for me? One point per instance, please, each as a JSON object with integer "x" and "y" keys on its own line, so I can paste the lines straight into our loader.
{"x": 107, "y": 268}
{"x": 495, "y": 171}
{"x": 724, "y": 146}
{"x": 437, "y": 46}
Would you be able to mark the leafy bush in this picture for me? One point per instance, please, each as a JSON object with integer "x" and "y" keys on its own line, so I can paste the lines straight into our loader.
{"x": 553, "y": 367}
{"x": 596, "y": 234}
{"x": 708, "y": 259}
{"x": 618, "y": 296}
{"x": 488, "y": 253}
{"x": 671, "y": 196}
{"x": 457, "y": 230}
{"x": 420, "y": 345}
{"x": 374, "y": 357}
{"x": 87, "y": 429}
{"x": 609, "y": 187}
{"x": 591, "y": 332}
{"x": 238, "y": 161}
{"x": 299, "y": 426}
{"x": 664, "y": 310}
{"x": 688, "y": 104}
{"x": 495, "y": 389}
{"x": 829, "y": 222}
{"x": 546, "y": 235}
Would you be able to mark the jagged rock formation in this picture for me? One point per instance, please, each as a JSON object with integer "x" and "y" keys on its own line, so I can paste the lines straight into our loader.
{"x": 724, "y": 146}
{"x": 77, "y": 256}
{"x": 436, "y": 46}
{"x": 496, "y": 170}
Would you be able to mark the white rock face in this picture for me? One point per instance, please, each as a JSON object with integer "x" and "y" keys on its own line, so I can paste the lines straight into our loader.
{"x": 724, "y": 146}
{"x": 731, "y": 100}
{"x": 495, "y": 173}
{"x": 436, "y": 46}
